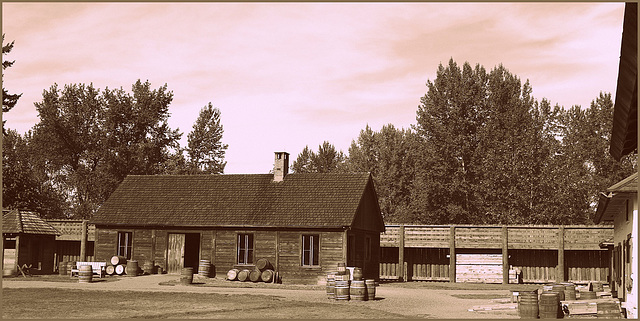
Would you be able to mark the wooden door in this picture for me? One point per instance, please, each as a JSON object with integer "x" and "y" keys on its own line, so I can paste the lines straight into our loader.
{"x": 175, "y": 253}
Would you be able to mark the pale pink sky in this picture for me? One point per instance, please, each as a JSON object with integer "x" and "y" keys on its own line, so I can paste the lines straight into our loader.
{"x": 286, "y": 75}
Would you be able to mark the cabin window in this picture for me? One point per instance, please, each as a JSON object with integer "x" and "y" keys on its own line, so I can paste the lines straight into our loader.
{"x": 310, "y": 249}
{"x": 124, "y": 244}
{"x": 245, "y": 248}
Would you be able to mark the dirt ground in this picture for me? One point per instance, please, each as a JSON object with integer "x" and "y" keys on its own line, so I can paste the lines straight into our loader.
{"x": 393, "y": 300}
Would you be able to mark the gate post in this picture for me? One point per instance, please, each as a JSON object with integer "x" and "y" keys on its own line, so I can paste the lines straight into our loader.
{"x": 452, "y": 254}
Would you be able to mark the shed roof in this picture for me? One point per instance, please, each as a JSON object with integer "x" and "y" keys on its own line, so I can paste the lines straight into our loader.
{"x": 300, "y": 200}
{"x": 26, "y": 222}
{"x": 615, "y": 200}
{"x": 624, "y": 134}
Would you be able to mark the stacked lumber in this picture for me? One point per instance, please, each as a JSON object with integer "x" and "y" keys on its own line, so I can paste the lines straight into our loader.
{"x": 601, "y": 308}
{"x": 479, "y": 268}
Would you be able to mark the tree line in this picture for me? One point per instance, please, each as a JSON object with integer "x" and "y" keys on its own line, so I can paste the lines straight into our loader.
{"x": 88, "y": 140}
{"x": 482, "y": 151}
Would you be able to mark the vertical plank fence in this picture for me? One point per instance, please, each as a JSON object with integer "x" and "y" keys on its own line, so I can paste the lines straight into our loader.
{"x": 541, "y": 253}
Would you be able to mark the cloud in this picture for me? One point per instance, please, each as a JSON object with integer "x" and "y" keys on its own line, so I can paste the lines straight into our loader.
{"x": 286, "y": 75}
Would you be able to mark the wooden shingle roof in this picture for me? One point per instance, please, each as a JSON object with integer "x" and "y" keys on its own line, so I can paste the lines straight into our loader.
{"x": 251, "y": 200}
{"x": 25, "y": 222}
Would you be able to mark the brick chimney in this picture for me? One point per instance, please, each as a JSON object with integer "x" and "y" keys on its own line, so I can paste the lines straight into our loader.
{"x": 281, "y": 166}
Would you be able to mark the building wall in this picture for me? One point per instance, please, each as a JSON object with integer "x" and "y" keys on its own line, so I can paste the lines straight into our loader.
{"x": 283, "y": 249}
{"x": 626, "y": 261}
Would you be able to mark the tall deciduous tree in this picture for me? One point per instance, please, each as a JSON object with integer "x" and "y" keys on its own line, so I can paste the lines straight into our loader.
{"x": 205, "y": 148}
{"x": 91, "y": 141}
{"x": 8, "y": 100}
{"x": 449, "y": 120}
{"x": 25, "y": 184}
{"x": 326, "y": 160}
{"x": 390, "y": 156}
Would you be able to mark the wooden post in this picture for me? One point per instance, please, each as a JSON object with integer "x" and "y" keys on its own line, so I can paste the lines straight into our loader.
{"x": 83, "y": 242}
{"x": 17, "y": 263}
{"x": 212, "y": 255}
{"x": 400, "y": 269}
{"x": 277, "y": 250}
{"x": 345, "y": 247}
{"x": 152, "y": 258}
{"x": 452, "y": 254}
{"x": 505, "y": 255}
{"x": 560, "y": 269}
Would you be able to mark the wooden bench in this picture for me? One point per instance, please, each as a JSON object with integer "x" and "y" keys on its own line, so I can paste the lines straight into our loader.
{"x": 98, "y": 268}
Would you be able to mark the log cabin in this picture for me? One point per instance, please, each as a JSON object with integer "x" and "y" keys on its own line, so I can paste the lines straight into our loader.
{"x": 303, "y": 223}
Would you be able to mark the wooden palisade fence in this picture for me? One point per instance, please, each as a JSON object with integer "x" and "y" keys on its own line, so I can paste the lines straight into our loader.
{"x": 490, "y": 254}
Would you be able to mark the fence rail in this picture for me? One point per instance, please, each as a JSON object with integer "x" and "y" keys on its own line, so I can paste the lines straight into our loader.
{"x": 540, "y": 253}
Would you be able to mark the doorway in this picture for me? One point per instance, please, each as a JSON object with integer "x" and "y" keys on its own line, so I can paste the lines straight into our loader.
{"x": 183, "y": 250}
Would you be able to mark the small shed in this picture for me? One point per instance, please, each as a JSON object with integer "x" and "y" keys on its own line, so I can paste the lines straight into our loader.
{"x": 27, "y": 240}
{"x": 304, "y": 224}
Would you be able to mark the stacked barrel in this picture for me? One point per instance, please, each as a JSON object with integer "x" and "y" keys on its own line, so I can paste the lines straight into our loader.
{"x": 262, "y": 272}
{"x": 118, "y": 265}
{"x": 345, "y": 286}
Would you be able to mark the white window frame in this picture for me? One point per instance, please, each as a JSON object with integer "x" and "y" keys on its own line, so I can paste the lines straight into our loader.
{"x": 245, "y": 255}
{"x": 310, "y": 254}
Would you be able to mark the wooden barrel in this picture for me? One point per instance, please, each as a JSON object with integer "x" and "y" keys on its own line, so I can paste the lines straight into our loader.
{"x": 528, "y": 305}
{"x": 232, "y": 275}
{"x": 132, "y": 268}
{"x": 204, "y": 269}
{"x": 358, "y": 290}
{"x": 548, "y": 305}
{"x": 342, "y": 290}
{"x": 121, "y": 269}
{"x": 243, "y": 275}
{"x": 263, "y": 264}
{"x": 186, "y": 276}
{"x": 587, "y": 295}
{"x": 342, "y": 268}
{"x": 559, "y": 288}
{"x": 371, "y": 289}
{"x": 267, "y": 275}
{"x": 62, "y": 268}
{"x": 85, "y": 274}
{"x": 148, "y": 267}
{"x": 255, "y": 275}
{"x": 331, "y": 285}
{"x": 110, "y": 270}
{"x": 357, "y": 274}
{"x": 608, "y": 310}
{"x": 115, "y": 260}
{"x": 596, "y": 287}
